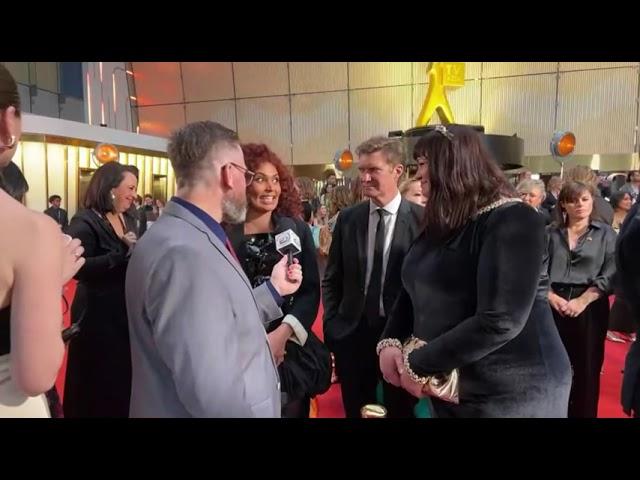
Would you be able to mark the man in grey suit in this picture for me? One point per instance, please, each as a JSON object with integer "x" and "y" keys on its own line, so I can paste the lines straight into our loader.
{"x": 198, "y": 344}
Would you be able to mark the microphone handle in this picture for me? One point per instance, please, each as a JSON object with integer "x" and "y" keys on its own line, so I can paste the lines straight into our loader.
{"x": 289, "y": 257}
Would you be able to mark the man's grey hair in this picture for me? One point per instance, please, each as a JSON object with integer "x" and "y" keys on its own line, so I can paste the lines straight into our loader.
{"x": 529, "y": 184}
{"x": 554, "y": 183}
{"x": 189, "y": 149}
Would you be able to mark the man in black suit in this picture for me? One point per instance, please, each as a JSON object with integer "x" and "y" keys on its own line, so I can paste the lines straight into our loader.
{"x": 628, "y": 270}
{"x": 135, "y": 220}
{"x": 362, "y": 279}
{"x": 554, "y": 185}
{"x": 57, "y": 213}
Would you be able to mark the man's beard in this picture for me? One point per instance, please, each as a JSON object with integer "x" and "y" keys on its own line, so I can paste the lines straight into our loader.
{"x": 234, "y": 210}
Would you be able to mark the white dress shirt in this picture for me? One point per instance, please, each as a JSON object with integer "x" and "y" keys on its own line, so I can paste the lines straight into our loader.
{"x": 389, "y": 226}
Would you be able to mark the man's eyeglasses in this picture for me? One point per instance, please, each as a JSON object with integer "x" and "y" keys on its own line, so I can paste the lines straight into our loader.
{"x": 248, "y": 174}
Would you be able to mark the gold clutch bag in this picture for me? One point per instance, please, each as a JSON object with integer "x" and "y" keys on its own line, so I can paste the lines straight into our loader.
{"x": 444, "y": 387}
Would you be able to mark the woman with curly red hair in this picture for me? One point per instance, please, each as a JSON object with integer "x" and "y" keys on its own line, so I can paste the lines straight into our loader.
{"x": 273, "y": 206}
{"x": 288, "y": 202}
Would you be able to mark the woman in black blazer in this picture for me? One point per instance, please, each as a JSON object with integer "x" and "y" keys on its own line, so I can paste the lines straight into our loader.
{"x": 98, "y": 379}
{"x": 273, "y": 206}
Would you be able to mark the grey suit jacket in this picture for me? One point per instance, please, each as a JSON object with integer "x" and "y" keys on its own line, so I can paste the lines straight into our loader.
{"x": 198, "y": 344}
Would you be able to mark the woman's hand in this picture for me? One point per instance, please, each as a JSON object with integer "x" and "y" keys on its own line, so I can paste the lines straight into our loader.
{"x": 72, "y": 259}
{"x": 557, "y": 303}
{"x": 130, "y": 239}
{"x": 574, "y": 307}
{"x": 391, "y": 365}
{"x": 278, "y": 341}
{"x": 414, "y": 388}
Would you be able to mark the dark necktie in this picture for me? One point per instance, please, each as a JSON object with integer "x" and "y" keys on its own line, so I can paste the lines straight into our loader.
{"x": 372, "y": 302}
{"x": 227, "y": 244}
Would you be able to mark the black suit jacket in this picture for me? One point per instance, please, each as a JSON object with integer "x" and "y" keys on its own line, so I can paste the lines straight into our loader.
{"x": 59, "y": 215}
{"x": 628, "y": 272}
{"x": 545, "y": 215}
{"x": 549, "y": 202}
{"x": 343, "y": 286}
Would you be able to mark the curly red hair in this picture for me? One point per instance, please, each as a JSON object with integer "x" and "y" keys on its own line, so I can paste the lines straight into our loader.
{"x": 289, "y": 203}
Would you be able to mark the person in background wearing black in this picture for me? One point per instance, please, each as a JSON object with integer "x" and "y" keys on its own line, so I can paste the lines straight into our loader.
{"x": 628, "y": 268}
{"x": 134, "y": 221}
{"x": 632, "y": 187}
{"x": 622, "y": 324}
{"x": 532, "y": 193}
{"x": 56, "y": 212}
{"x": 554, "y": 185}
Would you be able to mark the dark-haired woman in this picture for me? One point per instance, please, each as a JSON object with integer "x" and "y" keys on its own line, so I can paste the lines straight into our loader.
{"x": 98, "y": 381}
{"x": 473, "y": 295}
{"x": 273, "y": 206}
{"x": 581, "y": 268}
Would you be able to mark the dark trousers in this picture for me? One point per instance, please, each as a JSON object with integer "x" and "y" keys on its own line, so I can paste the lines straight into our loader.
{"x": 298, "y": 408}
{"x": 621, "y": 318}
{"x": 584, "y": 338}
{"x": 359, "y": 373}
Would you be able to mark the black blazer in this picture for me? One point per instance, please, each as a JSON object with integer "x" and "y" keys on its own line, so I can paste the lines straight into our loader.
{"x": 98, "y": 381}
{"x": 305, "y": 302}
{"x": 549, "y": 202}
{"x": 59, "y": 215}
{"x": 343, "y": 286}
{"x": 628, "y": 271}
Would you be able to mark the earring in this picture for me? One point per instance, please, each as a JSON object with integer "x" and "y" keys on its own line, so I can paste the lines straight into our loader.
{"x": 10, "y": 144}
{"x": 113, "y": 197}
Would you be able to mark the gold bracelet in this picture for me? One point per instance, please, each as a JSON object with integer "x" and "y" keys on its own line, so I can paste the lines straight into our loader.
{"x": 412, "y": 375}
{"x": 388, "y": 342}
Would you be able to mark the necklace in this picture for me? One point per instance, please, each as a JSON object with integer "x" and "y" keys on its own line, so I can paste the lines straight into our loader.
{"x": 496, "y": 204}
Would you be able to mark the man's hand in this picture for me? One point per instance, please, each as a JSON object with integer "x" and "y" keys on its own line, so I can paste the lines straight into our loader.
{"x": 286, "y": 279}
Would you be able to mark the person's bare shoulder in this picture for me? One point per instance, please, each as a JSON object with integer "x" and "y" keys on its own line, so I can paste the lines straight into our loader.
{"x": 25, "y": 230}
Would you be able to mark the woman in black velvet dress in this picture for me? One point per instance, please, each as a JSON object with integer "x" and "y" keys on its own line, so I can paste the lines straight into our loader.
{"x": 475, "y": 291}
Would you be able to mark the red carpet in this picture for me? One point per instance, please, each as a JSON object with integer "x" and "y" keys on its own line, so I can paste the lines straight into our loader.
{"x": 611, "y": 380}
{"x": 330, "y": 404}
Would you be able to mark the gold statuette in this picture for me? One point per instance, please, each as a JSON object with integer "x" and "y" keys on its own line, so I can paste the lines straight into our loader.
{"x": 442, "y": 75}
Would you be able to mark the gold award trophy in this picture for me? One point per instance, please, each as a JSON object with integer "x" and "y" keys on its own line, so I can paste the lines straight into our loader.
{"x": 442, "y": 75}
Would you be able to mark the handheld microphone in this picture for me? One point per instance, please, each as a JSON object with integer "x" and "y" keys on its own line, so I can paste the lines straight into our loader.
{"x": 288, "y": 243}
